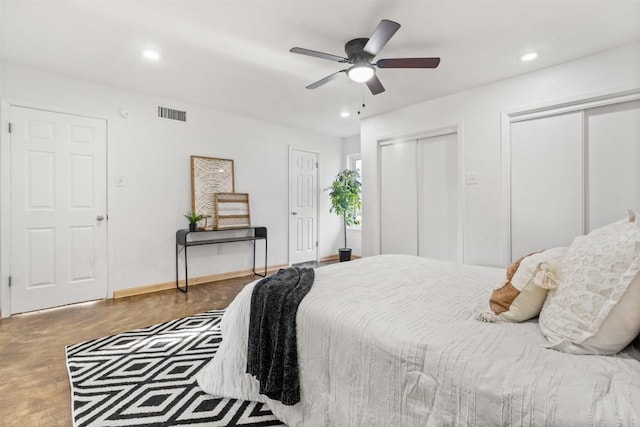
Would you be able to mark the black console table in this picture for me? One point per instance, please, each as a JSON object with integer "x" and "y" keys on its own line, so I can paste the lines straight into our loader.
{"x": 183, "y": 242}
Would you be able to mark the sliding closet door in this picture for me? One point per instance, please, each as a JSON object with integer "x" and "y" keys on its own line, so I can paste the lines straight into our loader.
{"x": 613, "y": 141}
{"x": 438, "y": 197}
{"x": 546, "y": 183}
{"x": 398, "y": 199}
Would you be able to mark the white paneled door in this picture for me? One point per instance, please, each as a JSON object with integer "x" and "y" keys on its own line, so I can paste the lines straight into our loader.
{"x": 438, "y": 207}
{"x": 419, "y": 209}
{"x": 303, "y": 201}
{"x": 546, "y": 183}
{"x": 613, "y": 146}
{"x": 571, "y": 173}
{"x": 398, "y": 199}
{"x": 58, "y": 209}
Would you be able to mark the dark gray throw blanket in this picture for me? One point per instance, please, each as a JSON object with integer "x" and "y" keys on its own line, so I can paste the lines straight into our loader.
{"x": 272, "y": 355}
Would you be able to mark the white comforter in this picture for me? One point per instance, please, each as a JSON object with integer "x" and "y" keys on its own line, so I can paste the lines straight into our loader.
{"x": 393, "y": 341}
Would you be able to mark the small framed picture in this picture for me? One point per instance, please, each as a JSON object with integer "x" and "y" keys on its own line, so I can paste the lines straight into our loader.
{"x": 232, "y": 210}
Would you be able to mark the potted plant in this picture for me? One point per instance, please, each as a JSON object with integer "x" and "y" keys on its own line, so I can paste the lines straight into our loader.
{"x": 193, "y": 218}
{"x": 345, "y": 202}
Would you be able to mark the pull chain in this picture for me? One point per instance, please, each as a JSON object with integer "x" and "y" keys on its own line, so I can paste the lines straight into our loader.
{"x": 362, "y": 101}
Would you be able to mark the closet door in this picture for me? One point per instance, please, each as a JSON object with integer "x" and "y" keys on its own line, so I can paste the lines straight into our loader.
{"x": 398, "y": 199}
{"x": 438, "y": 197}
{"x": 613, "y": 142}
{"x": 546, "y": 183}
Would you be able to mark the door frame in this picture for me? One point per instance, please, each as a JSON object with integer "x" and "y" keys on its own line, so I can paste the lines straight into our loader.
{"x": 458, "y": 130}
{"x": 290, "y": 198}
{"x": 547, "y": 109}
{"x": 5, "y": 190}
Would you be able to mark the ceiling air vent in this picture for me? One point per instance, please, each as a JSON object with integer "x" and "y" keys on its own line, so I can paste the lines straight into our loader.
{"x": 170, "y": 113}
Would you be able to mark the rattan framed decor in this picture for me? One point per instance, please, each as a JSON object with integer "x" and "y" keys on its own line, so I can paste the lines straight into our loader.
{"x": 232, "y": 210}
{"x": 209, "y": 175}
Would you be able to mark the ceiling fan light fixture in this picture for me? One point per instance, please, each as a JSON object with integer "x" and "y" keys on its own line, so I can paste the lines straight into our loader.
{"x": 360, "y": 72}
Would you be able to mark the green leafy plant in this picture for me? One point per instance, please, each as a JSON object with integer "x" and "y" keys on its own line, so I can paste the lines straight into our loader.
{"x": 193, "y": 217}
{"x": 345, "y": 198}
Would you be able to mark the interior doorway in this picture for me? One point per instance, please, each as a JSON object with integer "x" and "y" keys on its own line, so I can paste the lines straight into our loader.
{"x": 58, "y": 209}
{"x": 303, "y": 205}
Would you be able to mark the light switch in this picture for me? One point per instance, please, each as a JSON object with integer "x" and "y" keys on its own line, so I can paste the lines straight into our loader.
{"x": 471, "y": 178}
{"x": 119, "y": 181}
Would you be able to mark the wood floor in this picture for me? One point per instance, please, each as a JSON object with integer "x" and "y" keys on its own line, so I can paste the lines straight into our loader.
{"x": 34, "y": 386}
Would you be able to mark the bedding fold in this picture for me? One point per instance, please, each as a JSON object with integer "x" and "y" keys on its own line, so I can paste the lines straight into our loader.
{"x": 272, "y": 355}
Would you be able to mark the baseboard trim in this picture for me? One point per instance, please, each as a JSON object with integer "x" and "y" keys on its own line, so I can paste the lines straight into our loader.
{"x": 336, "y": 258}
{"x": 147, "y": 289}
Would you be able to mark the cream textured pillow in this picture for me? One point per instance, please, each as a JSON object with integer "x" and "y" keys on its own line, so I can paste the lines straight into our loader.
{"x": 522, "y": 294}
{"x": 597, "y": 272}
{"x": 621, "y": 326}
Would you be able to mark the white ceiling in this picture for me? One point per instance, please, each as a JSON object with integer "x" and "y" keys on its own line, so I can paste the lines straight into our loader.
{"x": 233, "y": 55}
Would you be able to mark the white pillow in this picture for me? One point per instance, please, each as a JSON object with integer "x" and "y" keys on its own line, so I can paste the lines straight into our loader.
{"x": 596, "y": 273}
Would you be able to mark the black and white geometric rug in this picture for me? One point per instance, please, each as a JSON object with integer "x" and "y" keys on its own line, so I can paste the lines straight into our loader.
{"x": 146, "y": 377}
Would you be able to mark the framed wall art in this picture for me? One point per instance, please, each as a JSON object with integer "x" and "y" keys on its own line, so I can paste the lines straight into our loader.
{"x": 209, "y": 175}
{"x": 232, "y": 210}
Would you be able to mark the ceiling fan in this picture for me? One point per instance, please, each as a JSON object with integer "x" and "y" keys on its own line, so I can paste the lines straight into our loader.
{"x": 360, "y": 53}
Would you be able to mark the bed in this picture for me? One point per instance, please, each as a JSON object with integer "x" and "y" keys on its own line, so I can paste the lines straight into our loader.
{"x": 392, "y": 340}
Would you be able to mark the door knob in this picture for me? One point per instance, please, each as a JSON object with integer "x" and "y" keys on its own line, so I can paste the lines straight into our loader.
{"x": 100, "y": 218}
{"x": 294, "y": 213}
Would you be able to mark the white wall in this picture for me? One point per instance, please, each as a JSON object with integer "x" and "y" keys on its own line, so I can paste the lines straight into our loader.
{"x": 152, "y": 155}
{"x": 478, "y": 112}
{"x": 350, "y": 145}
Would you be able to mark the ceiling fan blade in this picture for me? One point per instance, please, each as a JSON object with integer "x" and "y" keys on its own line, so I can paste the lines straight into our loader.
{"x": 322, "y": 55}
{"x": 408, "y": 63}
{"x": 325, "y": 80}
{"x": 380, "y": 36}
{"x": 374, "y": 85}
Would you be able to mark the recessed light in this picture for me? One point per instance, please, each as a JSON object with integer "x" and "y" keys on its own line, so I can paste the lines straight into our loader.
{"x": 345, "y": 114}
{"x": 151, "y": 54}
{"x": 529, "y": 56}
